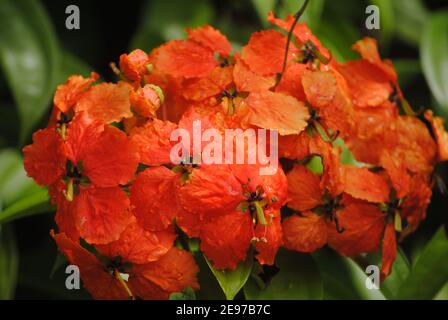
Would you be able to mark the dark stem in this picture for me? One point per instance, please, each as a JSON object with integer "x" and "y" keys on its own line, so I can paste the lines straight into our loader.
{"x": 296, "y": 19}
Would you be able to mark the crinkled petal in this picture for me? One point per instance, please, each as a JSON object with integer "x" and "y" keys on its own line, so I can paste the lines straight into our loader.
{"x": 303, "y": 189}
{"x": 361, "y": 183}
{"x": 153, "y": 197}
{"x": 226, "y": 239}
{"x": 265, "y": 52}
{"x": 389, "y": 250}
{"x": 139, "y": 246}
{"x": 108, "y": 102}
{"x": 210, "y": 38}
{"x": 44, "y": 160}
{"x": 185, "y": 59}
{"x": 101, "y": 215}
{"x": 173, "y": 272}
{"x": 305, "y": 233}
{"x": 277, "y": 111}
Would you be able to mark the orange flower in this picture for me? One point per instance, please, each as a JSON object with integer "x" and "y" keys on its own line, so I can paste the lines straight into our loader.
{"x": 102, "y": 275}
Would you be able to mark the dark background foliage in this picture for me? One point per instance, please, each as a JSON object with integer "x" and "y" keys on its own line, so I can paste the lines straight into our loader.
{"x": 109, "y": 29}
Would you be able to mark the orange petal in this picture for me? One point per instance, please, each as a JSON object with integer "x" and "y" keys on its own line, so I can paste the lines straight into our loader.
{"x": 210, "y": 38}
{"x": 303, "y": 189}
{"x": 145, "y": 101}
{"x": 45, "y": 159}
{"x": 139, "y": 246}
{"x": 277, "y": 111}
{"x": 153, "y": 142}
{"x": 214, "y": 190}
{"x": 291, "y": 82}
{"x": 438, "y": 128}
{"x": 264, "y": 54}
{"x": 301, "y": 31}
{"x": 398, "y": 174}
{"x": 133, "y": 65}
{"x": 101, "y": 215}
{"x": 249, "y": 81}
{"x": 305, "y": 233}
{"x": 99, "y": 283}
{"x": 271, "y": 239}
{"x": 368, "y": 84}
{"x": 173, "y": 272}
{"x": 110, "y": 160}
{"x": 363, "y": 226}
{"x": 226, "y": 239}
{"x": 69, "y": 93}
{"x": 361, "y": 183}
{"x": 389, "y": 250}
{"x": 185, "y": 59}
{"x": 209, "y": 86}
{"x": 154, "y": 199}
{"x": 107, "y": 102}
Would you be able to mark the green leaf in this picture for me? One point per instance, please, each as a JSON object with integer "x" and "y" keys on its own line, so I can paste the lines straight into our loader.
{"x": 430, "y": 272}
{"x": 32, "y": 204}
{"x": 263, "y": 7}
{"x": 8, "y": 262}
{"x": 29, "y": 58}
{"x": 339, "y": 40}
{"x": 411, "y": 16}
{"x": 434, "y": 54}
{"x": 400, "y": 271}
{"x": 13, "y": 180}
{"x": 19, "y": 195}
{"x": 186, "y": 294}
{"x": 343, "y": 278}
{"x": 298, "y": 279}
{"x": 231, "y": 281}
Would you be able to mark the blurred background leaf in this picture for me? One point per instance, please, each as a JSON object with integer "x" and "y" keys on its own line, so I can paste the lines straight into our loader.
{"x": 297, "y": 279}
{"x": 8, "y": 262}
{"x": 29, "y": 58}
{"x": 343, "y": 278}
{"x": 429, "y": 274}
{"x": 434, "y": 55}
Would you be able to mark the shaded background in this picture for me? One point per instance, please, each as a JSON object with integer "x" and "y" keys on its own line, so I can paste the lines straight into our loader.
{"x": 108, "y": 31}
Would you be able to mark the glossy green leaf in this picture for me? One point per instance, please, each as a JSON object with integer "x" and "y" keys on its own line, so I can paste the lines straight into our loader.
{"x": 434, "y": 57}
{"x": 8, "y": 262}
{"x": 19, "y": 195}
{"x": 29, "y": 58}
{"x": 430, "y": 272}
{"x": 231, "y": 281}
{"x": 13, "y": 180}
{"x": 32, "y": 204}
{"x": 298, "y": 279}
{"x": 410, "y": 16}
{"x": 343, "y": 278}
{"x": 400, "y": 271}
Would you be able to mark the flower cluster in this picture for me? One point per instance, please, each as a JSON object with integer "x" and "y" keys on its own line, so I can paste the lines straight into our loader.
{"x": 122, "y": 205}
